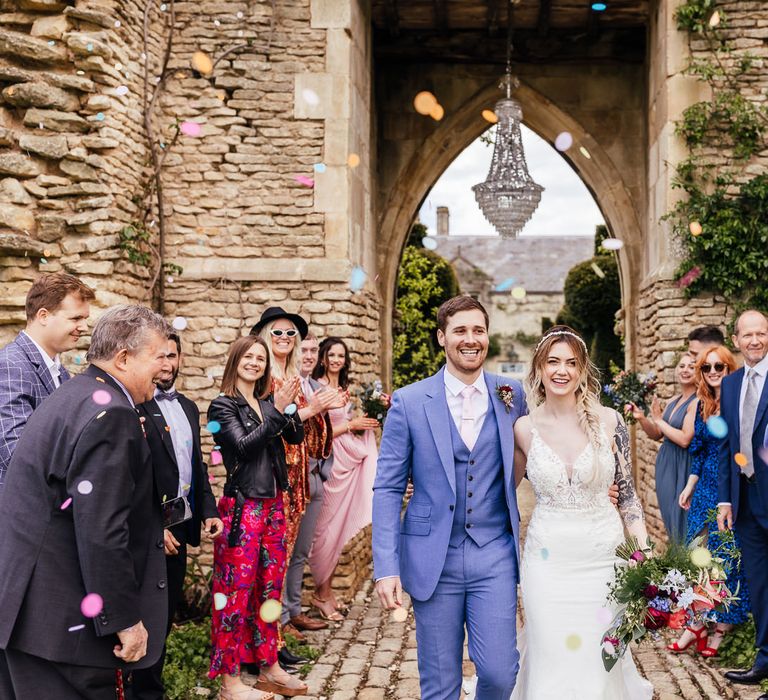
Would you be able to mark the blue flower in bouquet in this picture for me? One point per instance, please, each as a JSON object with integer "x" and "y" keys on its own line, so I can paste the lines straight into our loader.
{"x": 659, "y": 603}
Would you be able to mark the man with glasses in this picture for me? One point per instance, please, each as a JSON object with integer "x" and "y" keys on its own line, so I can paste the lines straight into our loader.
{"x": 743, "y": 490}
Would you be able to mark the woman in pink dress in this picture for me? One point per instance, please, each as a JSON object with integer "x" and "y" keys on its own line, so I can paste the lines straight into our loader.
{"x": 348, "y": 495}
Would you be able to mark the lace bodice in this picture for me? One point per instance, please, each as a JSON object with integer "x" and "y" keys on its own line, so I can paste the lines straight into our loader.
{"x": 548, "y": 475}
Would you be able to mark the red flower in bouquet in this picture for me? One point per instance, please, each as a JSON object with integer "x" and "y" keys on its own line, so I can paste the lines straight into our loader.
{"x": 650, "y": 591}
{"x": 677, "y": 620}
{"x": 656, "y": 619}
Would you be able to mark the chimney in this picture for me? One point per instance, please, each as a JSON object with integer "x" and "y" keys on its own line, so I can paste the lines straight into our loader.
{"x": 442, "y": 221}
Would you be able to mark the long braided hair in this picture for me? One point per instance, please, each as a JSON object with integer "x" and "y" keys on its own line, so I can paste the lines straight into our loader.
{"x": 587, "y": 392}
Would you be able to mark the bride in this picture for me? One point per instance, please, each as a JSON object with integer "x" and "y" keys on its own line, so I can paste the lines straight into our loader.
{"x": 572, "y": 449}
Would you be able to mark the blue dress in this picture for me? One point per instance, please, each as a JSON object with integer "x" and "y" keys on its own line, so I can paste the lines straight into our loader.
{"x": 673, "y": 467}
{"x": 704, "y": 459}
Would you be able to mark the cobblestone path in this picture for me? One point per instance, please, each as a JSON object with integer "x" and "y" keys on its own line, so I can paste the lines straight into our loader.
{"x": 371, "y": 657}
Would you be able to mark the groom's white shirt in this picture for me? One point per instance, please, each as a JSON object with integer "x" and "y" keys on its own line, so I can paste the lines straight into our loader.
{"x": 479, "y": 402}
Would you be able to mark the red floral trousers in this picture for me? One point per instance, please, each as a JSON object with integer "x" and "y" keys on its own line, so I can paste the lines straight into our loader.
{"x": 247, "y": 575}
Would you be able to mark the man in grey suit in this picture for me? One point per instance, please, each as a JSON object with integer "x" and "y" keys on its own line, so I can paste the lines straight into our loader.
{"x": 57, "y": 315}
{"x": 294, "y": 621}
{"x": 82, "y": 568}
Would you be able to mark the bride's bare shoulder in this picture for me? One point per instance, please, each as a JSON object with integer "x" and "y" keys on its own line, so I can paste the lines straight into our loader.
{"x": 523, "y": 427}
{"x": 610, "y": 419}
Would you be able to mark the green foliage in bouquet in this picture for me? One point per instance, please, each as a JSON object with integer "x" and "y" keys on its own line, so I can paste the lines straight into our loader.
{"x": 630, "y": 387}
{"x": 373, "y": 402}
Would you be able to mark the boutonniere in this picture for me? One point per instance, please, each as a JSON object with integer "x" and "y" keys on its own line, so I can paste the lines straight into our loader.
{"x": 507, "y": 395}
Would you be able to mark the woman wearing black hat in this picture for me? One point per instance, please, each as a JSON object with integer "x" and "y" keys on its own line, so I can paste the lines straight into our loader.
{"x": 283, "y": 332}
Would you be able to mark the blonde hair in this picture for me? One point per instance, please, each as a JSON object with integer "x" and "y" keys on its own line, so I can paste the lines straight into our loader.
{"x": 587, "y": 392}
{"x": 292, "y": 361}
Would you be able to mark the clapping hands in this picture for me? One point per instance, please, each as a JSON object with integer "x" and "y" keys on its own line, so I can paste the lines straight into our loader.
{"x": 286, "y": 393}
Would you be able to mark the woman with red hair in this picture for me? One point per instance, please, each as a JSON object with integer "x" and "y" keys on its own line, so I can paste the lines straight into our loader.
{"x": 699, "y": 497}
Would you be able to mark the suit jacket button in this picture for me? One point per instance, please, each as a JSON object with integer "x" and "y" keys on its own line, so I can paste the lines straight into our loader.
{"x": 159, "y": 544}
{"x": 161, "y": 584}
{"x": 469, "y": 510}
{"x": 469, "y": 495}
{"x": 470, "y": 477}
{"x": 450, "y": 507}
{"x": 469, "y": 524}
{"x": 472, "y": 462}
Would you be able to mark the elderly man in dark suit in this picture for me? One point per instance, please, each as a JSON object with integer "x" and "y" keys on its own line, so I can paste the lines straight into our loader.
{"x": 82, "y": 570}
{"x": 57, "y": 315}
{"x": 172, "y": 422}
{"x": 743, "y": 486}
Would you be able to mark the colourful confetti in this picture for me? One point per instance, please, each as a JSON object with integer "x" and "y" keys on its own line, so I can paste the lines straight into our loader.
{"x": 179, "y": 323}
{"x": 213, "y": 426}
{"x": 399, "y": 615}
{"x": 505, "y": 285}
{"x": 424, "y": 102}
{"x": 310, "y": 97}
{"x": 121, "y": 89}
{"x": 741, "y": 459}
{"x": 191, "y": 128}
{"x": 597, "y": 270}
{"x": 437, "y": 112}
{"x": 429, "y": 242}
{"x": 357, "y": 278}
{"x": 573, "y": 642}
{"x": 354, "y": 160}
{"x": 695, "y": 228}
{"x": 100, "y": 117}
{"x": 101, "y": 415}
{"x": 216, "y": 458}
{"x": 304, "y": 180}
{"x": 270, "y": 610}
{"x": 75, "y": 628}
{"x": 85, "y": 487}
{"x": 563, "y": 141}
{"x": 202, "y": 63}
{"x": 490, "y": 116}
{"x": 519, "y": 293}
{"x": 612, "y": 244}
{"x": 585, "y": 153}
{"x": 78, "y": 359}
{"x": 101, "y": 397}
{"x": 717, "y": 427}
{"x": 117, "y": 24}
{"x": 89, "y": 47}
{"x": 91, "y": 605}
{"x": 544, "y": 553}
{"x": 319, "y": 167}
{"x": 66, "y": 503}
{"x": 714, "y": 20}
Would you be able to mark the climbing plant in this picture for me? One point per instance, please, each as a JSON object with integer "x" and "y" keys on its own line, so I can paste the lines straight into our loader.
{"x": 723, "y": 219}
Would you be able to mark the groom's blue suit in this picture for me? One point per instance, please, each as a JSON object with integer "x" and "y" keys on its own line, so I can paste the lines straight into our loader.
{"x": 456, "y": 549}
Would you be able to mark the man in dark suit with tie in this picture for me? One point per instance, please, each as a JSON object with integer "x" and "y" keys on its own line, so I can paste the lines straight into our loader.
{"x": 743, "y": 491}
{"x": 172, "y": 422}
{"x": 57, "y": 315}
{"x": 82, "y": 570}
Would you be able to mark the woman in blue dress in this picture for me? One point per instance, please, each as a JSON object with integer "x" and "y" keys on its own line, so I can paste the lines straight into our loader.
{"x": 699, "y": 497}
{"x": 674, "y": 427}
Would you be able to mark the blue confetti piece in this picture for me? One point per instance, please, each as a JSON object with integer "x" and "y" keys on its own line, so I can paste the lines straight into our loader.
{"x": 505, "y": 285}
{"x": 357, "y": 278}
{"x": 78, "y": 359}
{"x": 43, "y": 261}
{"x": 51, "y": 43}
{"x": 429, "y": 242}
{"x": 213, "y": 426}
{"x": 100, "y": 117}
{"x": 319, "y": 167}
{"x": 544, "y": 553}
{"x": 89, "y": 47}
{"x": 717, "y": 427}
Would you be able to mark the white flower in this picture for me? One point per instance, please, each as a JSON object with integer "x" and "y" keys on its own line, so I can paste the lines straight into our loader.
{"x": 375, "y": 395}
{"x": 674, "y": 581}
{"x": 685, "y": 599}
{"x": 608, "y": 648}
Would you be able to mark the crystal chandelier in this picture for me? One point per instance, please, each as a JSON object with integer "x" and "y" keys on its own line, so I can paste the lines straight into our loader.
{"x": 509, "y": 196}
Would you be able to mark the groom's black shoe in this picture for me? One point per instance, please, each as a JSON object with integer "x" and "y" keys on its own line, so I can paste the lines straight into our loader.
{"x": 764, "y": 696}
{"x": 752, "y": 676}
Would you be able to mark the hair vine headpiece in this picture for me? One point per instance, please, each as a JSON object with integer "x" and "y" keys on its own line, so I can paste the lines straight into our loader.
{"x": 554, "y": 333}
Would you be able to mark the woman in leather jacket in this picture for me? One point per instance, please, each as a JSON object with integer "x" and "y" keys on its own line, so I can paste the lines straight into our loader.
{"x": 250, "y": 555}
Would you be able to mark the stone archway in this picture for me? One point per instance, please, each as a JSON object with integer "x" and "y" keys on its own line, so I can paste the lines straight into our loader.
{"x": 606, "y": 179}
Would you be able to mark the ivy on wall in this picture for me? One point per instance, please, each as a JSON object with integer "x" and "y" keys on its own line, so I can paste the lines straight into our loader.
{"x": 723, "y": 220}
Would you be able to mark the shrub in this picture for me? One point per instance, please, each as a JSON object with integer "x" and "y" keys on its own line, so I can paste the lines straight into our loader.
{"x": 187, "y": 659}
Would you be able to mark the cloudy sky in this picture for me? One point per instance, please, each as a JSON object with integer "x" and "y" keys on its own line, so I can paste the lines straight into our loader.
{"x": 566, "y": 206}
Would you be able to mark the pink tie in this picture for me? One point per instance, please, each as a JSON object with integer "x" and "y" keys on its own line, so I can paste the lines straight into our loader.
{"x": 467, "y": 430}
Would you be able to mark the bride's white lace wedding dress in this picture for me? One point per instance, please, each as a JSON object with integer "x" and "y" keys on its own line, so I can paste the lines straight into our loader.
{"x": 567, "y": 565}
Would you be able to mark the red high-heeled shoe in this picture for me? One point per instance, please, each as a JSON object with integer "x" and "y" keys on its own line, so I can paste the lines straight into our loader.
{"x": 711, "y": 652}
{"x": 699, "y": 636}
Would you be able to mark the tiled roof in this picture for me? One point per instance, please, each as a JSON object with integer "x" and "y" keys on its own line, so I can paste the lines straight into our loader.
{"x": 537, "y": 263}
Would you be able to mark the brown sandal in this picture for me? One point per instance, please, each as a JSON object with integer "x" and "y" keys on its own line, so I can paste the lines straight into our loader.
{"x": 290, "y": 689}
{"x": 335, "y": 616}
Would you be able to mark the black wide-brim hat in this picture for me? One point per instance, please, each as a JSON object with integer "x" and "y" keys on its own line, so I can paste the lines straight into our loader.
{"x": 273, "y": 313}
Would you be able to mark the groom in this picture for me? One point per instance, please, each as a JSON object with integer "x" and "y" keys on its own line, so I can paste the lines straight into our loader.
{"x": 456, "y": 550}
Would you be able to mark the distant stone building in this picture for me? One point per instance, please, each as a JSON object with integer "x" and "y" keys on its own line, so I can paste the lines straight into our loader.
{"x": 519, "y": 281}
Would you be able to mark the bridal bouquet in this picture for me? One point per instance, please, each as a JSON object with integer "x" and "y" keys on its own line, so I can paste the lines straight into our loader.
{"x": 672, "y": 589}
{"x": 374, "y": 403}
{"x": 630, "y": 388}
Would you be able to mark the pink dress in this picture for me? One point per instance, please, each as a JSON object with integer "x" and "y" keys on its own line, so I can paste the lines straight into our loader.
{"x": 348, "y": 496}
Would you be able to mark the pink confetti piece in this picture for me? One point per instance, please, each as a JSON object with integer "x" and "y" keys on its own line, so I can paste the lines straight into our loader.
{"x": 101, "y": 397}
{"x": 66, "y": 503}
{"x": 191, "y": 129}
{"x": 216, "y": 458}
{"x": 92, "y": 605}
{"x": 76, "y": 628}
{"x": 304, "y": 180}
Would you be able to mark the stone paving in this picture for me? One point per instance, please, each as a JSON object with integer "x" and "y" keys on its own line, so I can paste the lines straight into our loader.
{"x": 368, "y": 656}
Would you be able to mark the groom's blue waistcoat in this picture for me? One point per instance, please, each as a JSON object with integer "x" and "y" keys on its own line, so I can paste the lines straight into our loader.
{"x": 481, "y": 510}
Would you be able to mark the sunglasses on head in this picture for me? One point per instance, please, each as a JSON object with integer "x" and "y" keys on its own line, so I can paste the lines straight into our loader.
{"x": 718, "y": 367}
{"x": 278, "y": 332}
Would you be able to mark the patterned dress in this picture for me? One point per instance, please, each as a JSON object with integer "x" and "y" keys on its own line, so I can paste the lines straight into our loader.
{"x": 704, "y": 461}
{"x": 318, "y": 441}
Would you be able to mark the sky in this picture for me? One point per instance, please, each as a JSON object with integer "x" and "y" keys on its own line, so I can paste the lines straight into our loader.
{"x": 566, "y": 206}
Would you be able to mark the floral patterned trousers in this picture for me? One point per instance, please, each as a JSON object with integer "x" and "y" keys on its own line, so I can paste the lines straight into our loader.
{"x": 247, "y": 575}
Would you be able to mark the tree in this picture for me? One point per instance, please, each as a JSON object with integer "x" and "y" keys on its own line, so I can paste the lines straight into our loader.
{"x": 424, "y": 281}
{"x": 591, "y": 303}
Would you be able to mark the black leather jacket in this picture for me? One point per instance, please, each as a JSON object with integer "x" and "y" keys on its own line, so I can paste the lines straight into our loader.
{"x": 252, "y": 450}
